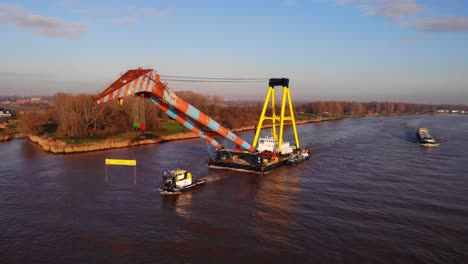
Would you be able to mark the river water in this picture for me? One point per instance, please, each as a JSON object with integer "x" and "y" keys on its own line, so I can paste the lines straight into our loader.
{"x": 369, "y": 194}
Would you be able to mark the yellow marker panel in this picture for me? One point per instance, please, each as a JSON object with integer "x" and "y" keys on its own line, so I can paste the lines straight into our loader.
{"x": 122, "y": 162}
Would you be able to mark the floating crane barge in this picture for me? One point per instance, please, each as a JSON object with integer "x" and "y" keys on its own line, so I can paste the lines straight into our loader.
{"x": 244, "y": 161}
{"x": 271, "y": 151}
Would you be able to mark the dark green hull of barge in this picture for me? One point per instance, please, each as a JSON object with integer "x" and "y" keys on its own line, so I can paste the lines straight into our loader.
{"x": 244, "y": 161}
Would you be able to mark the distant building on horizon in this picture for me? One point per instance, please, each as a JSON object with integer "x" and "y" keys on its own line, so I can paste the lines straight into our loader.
{"x": 454, "y": 111}
{"x": 5, "y": 112}
{"x": 34, "y": 100}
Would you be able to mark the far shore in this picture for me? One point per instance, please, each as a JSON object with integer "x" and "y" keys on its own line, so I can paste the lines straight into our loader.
{"x": 6, "y": 137}
{"x": 58, "y": 146}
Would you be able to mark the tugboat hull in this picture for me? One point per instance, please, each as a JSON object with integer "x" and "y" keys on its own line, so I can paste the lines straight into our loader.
{"x": 429, "y": 144}
{"x": 295, "y": 160}
{"x": 177, "y": 191}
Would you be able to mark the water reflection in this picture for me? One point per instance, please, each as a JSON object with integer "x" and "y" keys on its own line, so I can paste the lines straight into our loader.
{"x": 344, "y": 203}
{"x": 31, "y": 151}
{"x": 275, "y": 198}
{"x": 183, "y": 205}
{"x": 181, "y": 223}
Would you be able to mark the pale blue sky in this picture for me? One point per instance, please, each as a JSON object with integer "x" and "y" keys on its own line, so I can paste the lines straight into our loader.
{"x": 363, "y": 50}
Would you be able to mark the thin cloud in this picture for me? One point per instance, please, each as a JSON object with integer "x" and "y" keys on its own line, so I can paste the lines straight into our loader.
{"x": 289, "y": 2}
{"x": 166, "y": 12}
{"x": 396, "y": 10}
{"x": 117, "y": 14}
{"x": 140, "y": 12}
{"x": 148, "y": 11}
{"x": 40, "y": 25}
{"x": 127, "y": 21}
{"x": 403, "y": 12}
{"x": 449, "y": 24}
{"x": 421, "y": 37}
{"x": 67, "y": 2}
{"x": 391, "y": 9}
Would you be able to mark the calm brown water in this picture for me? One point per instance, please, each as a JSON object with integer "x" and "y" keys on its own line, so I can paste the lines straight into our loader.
{"x": 369, "y": 194}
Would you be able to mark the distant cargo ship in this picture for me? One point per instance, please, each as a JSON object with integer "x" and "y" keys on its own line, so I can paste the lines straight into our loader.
{"x": 425, "y": 139}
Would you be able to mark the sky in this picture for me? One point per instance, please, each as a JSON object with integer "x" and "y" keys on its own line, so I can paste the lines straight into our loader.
{"x": 343, "y": 50}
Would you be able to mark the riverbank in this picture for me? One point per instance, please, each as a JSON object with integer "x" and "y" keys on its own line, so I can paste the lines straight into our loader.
{"x": 5, "y": 134}
{"x": 58, "y": 208}
{"x": 58, "y": 146}
{"x": 6, "y": 137}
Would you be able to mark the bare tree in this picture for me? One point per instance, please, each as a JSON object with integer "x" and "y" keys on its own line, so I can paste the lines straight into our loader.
{"x": 400, "y": 107}
{"x": 32, "y": 123}
{"x": 90, "y": 113}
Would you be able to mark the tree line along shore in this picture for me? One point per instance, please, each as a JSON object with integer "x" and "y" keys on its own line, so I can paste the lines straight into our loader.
{"x": 72, "y": 123}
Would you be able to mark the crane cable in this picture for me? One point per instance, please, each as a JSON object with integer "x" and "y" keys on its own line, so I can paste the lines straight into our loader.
{"x": 178, "y": 78}
{"x": 208, "y": 81}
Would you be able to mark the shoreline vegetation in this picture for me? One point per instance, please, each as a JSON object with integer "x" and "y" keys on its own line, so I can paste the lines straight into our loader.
{"x": 58, "y": 146}
{"x": 72, "y": 123}
{"x": 5, "y": 133}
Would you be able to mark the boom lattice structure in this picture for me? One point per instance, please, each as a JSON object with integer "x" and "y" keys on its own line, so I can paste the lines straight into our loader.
{"x": 272, "y": 152}
{"x": 147, "y": 83}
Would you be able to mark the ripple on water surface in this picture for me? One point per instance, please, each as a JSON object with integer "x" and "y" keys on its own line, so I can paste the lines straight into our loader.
{"x": 369, "y": 194}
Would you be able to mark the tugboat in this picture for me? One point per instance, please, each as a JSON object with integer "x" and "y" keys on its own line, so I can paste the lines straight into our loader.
{"x": 177, "y": 181}
{"x": 425, "y": 139}
{"x": 298, "y": 157}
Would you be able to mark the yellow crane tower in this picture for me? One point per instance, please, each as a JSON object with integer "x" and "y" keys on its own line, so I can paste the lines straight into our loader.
{"x": 274, "y": 117}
